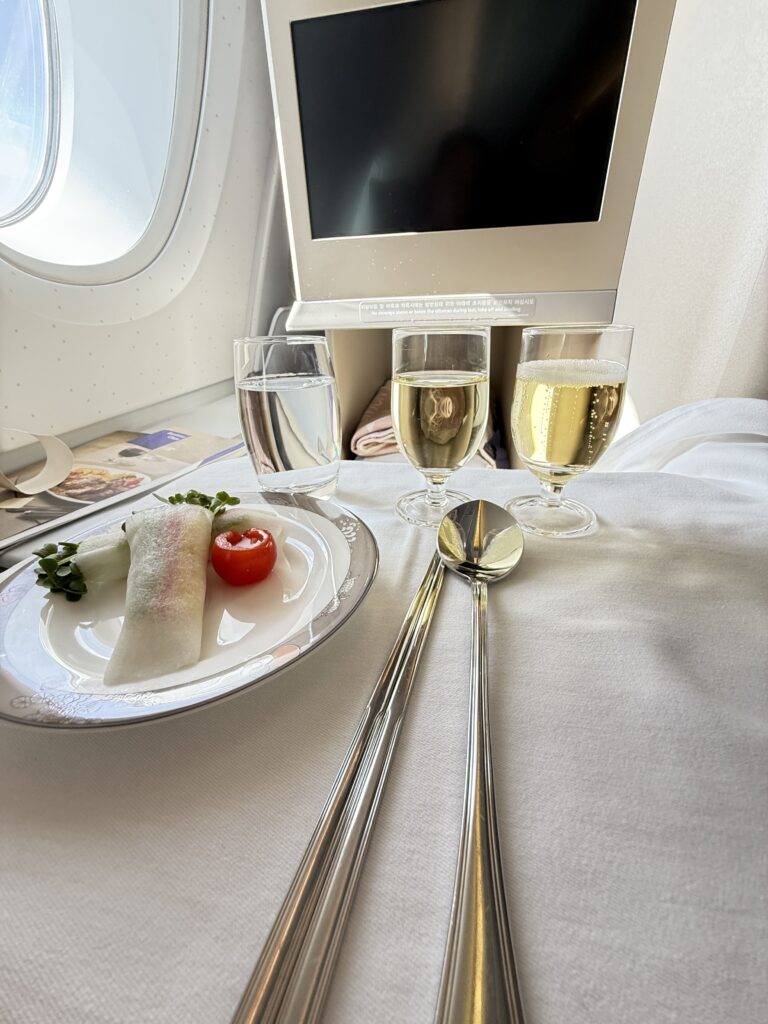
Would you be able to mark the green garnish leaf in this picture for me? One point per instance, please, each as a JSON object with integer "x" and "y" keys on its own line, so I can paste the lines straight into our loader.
{"x": 58, "y": 573}
{"x": 216, "y": 504}
{"x": 45, "y": 550}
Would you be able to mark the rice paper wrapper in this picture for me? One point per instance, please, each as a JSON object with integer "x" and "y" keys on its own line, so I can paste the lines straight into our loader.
{"x": 163, "y": 625}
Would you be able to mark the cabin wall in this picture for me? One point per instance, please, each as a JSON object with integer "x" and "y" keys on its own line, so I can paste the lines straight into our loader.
{"x": 695, "y": 276}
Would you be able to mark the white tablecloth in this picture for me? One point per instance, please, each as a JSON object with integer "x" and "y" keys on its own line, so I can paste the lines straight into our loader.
{"x": 142, "y": 868}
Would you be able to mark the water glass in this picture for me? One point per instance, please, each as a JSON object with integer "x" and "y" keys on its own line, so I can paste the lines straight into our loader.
{"x": 289, "y": 412}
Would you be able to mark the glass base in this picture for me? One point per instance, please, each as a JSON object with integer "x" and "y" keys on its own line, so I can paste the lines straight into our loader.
{"x": 318, "y": 482}
{"x": 563, "y": 521}
{"x": 414, "y": 508}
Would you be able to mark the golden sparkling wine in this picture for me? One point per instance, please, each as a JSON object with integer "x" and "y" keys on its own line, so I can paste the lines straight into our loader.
{"x": 439, "y": 418}
{"x": 565, "y": 413}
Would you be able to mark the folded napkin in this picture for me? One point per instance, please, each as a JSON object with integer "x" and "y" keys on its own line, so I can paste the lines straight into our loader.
{"x": 375, "y": 434}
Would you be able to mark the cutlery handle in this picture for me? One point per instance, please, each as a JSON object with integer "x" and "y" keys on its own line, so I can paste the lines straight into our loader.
{"x": 290, "y": 980}
{"x": 479, "y": 982}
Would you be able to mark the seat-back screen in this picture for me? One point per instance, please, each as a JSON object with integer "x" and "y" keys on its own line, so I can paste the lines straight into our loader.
{"x": 445, "y": 115}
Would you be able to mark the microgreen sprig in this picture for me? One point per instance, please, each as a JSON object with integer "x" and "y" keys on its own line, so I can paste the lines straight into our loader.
{"x": 58, "y": 573}
{"x": 216, "y": 504}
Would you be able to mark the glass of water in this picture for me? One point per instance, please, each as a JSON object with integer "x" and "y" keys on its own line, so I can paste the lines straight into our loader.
{"x": 289, "y": 412}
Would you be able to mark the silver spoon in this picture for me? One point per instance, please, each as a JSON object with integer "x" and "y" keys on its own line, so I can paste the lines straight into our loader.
{"x": 482, "y": 543}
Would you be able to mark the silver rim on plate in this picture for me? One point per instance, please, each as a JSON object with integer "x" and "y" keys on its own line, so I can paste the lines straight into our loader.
{"x": 53, "y": 707}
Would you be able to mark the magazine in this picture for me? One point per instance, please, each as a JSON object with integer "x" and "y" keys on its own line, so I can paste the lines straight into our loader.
{"x": 106, "y": 471}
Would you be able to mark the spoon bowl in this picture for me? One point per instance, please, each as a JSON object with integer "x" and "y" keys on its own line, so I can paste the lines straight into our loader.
{"x": 480, "y": 540}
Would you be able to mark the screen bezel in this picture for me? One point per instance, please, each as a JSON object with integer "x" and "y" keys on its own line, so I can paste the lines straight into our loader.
{"x": 582, "y": 256}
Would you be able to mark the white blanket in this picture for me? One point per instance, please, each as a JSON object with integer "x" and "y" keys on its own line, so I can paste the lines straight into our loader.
{"x": 722, "y": 439}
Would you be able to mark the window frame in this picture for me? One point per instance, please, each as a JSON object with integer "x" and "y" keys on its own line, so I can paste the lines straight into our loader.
{"x": 53, "y": 127}
{"x": 191, "y": 76}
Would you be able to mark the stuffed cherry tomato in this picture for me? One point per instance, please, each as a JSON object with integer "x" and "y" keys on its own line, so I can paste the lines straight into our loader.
{"x": 243, "y": 558}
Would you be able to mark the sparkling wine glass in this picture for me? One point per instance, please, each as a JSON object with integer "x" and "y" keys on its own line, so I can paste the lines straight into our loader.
{"x": 439, "y": 410}
{"x": 567, "y": 402}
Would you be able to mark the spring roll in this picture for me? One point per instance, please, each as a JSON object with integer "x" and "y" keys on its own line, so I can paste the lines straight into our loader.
{"x": 163, "y": 624}
{"x": 103, "y": 558}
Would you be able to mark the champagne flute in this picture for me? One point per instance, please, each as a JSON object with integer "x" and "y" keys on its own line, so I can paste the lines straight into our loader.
{"x": 439, "y": 411}
{"x": 567, "y": 402}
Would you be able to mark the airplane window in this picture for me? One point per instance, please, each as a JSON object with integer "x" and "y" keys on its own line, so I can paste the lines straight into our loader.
{"x": 131, "y": 82}
{"x": 29, "y": 88}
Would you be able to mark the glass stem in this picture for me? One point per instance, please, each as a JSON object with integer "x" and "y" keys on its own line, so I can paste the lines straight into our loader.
{"x": 436, "y": 495}
{"x": 552, "y": 494}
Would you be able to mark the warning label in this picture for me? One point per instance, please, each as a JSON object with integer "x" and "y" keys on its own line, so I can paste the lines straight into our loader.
{"x": 438, "y": 309}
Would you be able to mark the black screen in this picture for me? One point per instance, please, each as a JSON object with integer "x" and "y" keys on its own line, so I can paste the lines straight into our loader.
{"x": 452, "y": 114}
